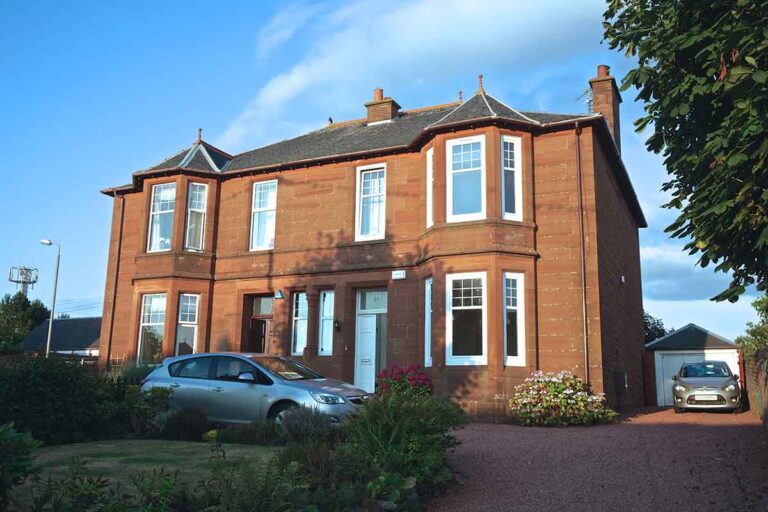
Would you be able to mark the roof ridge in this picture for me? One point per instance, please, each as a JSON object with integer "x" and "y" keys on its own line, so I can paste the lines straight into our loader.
{"x": 482, "y": 95}
{"x": 449, "y": 113}
{"x": 189, "y": 156}
{"x": 512, "y": 109}
{"x": 221, "y": 151}
{"x": 208, "y": 158}
{"x": 418, "y": 110}
{"x": 165, "y": 159}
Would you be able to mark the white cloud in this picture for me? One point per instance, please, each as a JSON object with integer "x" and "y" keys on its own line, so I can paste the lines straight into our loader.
{"x": 725, "y": 319}
{"x": 284, "y": 25}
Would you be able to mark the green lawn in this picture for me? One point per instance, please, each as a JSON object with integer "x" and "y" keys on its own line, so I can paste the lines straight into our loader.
{"x": 120, "y": 460}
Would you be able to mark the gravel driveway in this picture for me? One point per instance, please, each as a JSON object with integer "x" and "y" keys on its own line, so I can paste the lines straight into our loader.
{"x": 656, "y": 460}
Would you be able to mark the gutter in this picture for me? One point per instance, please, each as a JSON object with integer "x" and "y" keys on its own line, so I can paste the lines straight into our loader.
{"x": 582, "y": 256}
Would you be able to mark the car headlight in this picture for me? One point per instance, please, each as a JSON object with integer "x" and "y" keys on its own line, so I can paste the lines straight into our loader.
{"x": 680, "y": 388}
{"x": 730, "y": 387}
{"x": 327, "y": 398}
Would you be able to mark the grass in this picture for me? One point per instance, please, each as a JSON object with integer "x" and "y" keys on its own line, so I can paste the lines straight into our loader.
{"x": 122, "y": 459}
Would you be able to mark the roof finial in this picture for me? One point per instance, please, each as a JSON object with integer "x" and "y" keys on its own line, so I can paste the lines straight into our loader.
{"x": 199, "y": 135}
{"x": 480, "y": 89}
{"x": 461, "y": 96}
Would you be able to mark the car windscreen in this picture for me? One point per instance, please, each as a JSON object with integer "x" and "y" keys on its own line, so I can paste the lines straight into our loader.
{"x": 705, "y": 370}
{"x": 286, "y": 369}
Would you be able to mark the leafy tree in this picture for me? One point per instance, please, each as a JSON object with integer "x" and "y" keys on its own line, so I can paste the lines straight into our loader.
{"x": 756, "y": 337}
{"x": 63, "y": 316}
{"x": 654, "y": 327}
{"x": 703, "y": 74}
{"x": 18, "y": 316}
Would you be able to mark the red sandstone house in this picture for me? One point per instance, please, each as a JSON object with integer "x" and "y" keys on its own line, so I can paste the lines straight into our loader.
{"x": 476, "y": 240}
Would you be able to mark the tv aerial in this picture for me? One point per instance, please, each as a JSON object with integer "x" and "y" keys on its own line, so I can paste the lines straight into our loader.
{"x": 24, "y": 277}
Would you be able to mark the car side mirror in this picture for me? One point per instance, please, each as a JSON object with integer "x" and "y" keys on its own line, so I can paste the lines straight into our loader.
{"x": 735, "y": 377}
{"x": 674, "y": 377}
{"x": 247, "y": 377}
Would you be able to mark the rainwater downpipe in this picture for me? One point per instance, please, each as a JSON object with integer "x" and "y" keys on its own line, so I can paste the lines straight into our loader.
{"x": 114, "y": 288}
{"x": 582, "y": 257}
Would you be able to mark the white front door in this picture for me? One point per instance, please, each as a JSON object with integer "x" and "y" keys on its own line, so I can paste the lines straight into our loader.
{"x": 365, "y": 352}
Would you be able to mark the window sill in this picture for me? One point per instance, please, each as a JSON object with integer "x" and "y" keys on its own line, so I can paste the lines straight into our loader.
{"x": 515, "y": 362}
{"x": 376, "y": 238}
{"x": 466, "y": 361}
{"x": 453, "y": 219}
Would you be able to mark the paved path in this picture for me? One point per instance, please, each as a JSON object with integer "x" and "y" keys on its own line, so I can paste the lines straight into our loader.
{"x": 655, "y": 461}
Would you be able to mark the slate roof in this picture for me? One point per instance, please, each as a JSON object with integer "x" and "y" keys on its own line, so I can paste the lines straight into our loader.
{"x": 691, "y": 337}
{"x": 200, "y": 156}
{"x": 68, "y": 334}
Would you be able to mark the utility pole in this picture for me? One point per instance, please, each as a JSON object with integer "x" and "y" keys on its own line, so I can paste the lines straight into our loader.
{"x": 49, "y": 242}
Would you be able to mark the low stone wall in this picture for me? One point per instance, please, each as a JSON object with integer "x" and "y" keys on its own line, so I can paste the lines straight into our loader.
{"x": 756, "y": 366}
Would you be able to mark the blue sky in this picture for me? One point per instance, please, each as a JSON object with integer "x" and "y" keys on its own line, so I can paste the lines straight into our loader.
{"x": 93, "y": 91}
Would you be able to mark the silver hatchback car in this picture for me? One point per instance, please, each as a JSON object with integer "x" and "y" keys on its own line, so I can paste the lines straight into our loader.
{"x": 244, "y": 388}
{"x": 706, "y": 385}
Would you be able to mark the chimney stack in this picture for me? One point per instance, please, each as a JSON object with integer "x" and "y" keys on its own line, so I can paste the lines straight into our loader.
{"x": 606, "y": 100}
{"x": 381, "y": 108}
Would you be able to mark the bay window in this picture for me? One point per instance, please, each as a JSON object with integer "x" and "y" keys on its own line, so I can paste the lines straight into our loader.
{"x": 263, "y": 212}
{"x": 428, "y": 322}
{"x": 151, "y": 329}
{"x": 371, "y": 202}
{"x": 466, "y": 338}
{"x": 511, "y": 178}
{"x": 161, "y": 217}
{"x": 299, "y": 327}
{"x": 196, "y": 204}
{"x": 514, "y": 319}
{"x": 465, "y": 178}
{"x": 186, "y": 329}
{"x": 325, "y": 338}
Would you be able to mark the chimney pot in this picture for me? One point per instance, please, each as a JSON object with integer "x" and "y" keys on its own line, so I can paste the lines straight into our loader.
{"x": 603, "y": 70}
{"x": 378, "y": 94}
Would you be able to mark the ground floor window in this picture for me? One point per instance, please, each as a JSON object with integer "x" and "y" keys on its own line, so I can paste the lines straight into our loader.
{"x": 325, "y": 347}
{"x": 300, "y": 314}
{"x": 428, "y": 322}
{"x": 186, "y": 329}
{"x": 151, "y": 329}
{"x": 514, "y": 320}
{"x": 466, "y": 319}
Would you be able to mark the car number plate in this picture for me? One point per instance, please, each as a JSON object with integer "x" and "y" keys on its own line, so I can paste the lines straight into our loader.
{"x": 706, "y": 398}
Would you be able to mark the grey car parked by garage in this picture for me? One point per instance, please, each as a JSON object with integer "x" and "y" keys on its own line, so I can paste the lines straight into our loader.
{"x": 244, "y": 388}
{"x": 706, "y": 385}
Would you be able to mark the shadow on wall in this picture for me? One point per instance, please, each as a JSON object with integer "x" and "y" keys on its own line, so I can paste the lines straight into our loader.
{"x": 756, "y": 366}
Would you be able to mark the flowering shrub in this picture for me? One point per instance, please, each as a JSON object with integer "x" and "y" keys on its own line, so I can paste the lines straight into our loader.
{"x": 557, "y": 399}
{"x": 411, "y": 381}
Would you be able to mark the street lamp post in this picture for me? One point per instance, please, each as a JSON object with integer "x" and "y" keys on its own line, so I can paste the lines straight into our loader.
{"x": 46, "y": 241}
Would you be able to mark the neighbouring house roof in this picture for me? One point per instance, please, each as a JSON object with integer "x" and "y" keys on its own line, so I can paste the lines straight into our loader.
{"x": 359, "y": 139}
{"x": 691, "y": 337}
{"x": 68, "y": 334}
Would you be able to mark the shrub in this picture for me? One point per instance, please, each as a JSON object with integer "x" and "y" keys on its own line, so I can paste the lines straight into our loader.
{"x": 130, "y": 374}
{"x": 146, "y": 411}
{"x": 411, "y": 381}
{"x": 15, "y": 459}
{"x": 549, "y": 399}
{"x": 186, "y": 425}
{"x": 55, "y": 401}
{"x": 305, "y": 423}
{"x": 260, "y": 432}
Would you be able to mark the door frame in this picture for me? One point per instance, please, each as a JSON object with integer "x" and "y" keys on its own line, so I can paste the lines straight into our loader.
{"x": 368, "y": 312}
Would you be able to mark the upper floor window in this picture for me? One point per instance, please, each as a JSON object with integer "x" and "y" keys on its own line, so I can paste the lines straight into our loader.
{"x": 151, "y": 329}
{"x": 465, "y": 176}
{"x": 430, "y": 184}
{"x": 263, "y": 214}
{"x": 514, "y": 320}
{"x": 161, "y": 217}
{"x": 300, "y": 314}
{"x": 186, "y": 329}
{"x": 371, "y": 202}
{"x": 428, "y": 322}
{"x": 466, "y": 333}
{"x": 196, "y": 206}
{"x": 511, "y": 175}
{"x": 325, "y": 347}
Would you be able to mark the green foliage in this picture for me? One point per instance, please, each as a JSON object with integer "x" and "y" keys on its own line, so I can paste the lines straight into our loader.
{"x": 654, "y": 327}
{"x": 18, "y": 316}
{"x": 702, "y": 72}
{"x": 410, "y": 381}
{"x": 557, "y": 400}
{"x": 186, "y": 425}
{"x": 147, "y": 411}
{"x": 259, "y": 433}
{"x": 756, "y": 338}
{"x": 15, "y": 459}
{"x": 130, "y": 374}
{"x": 304, "y": 423}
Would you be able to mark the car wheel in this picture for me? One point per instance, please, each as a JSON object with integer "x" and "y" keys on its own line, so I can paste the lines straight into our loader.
{"x": 278, "y": 413}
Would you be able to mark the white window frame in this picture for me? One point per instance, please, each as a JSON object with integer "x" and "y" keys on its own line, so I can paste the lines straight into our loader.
{"x": 187, "y": 322}
{"x": 143, "y": 324}
{"x": 518, "y": 360}
{"x": 255, "y": 210}
{"x": 449, "y": 179}
{"x": 430, "y": 185}
{"x": 450, "y": 359}
{"x": 295, "y": 319}
{"x": 428, "y": 282}
{"x": 187, "y": 245}
{"x": 326, "y": 323}
{"x": 152, "y": 215}
{"x": 359, "y": 203}
{"x": 518, "y": 170}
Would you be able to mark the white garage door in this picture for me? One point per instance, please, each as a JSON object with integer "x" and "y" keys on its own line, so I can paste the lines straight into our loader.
{"x": 668, "y": 363}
